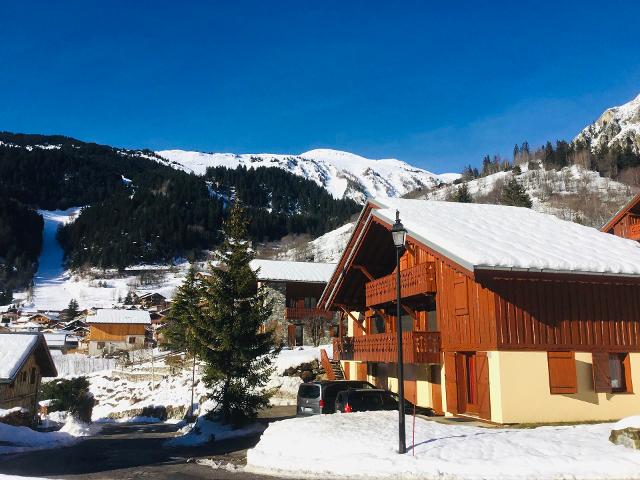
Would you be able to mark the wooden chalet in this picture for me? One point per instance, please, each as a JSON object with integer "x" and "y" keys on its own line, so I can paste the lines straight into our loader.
{"x": 626, "y": 223}
{"x": 508, "y": 315}
{"x": 296, "y": 288}
{"x": 117, "y": 330}
{"x": 24, "y": 360}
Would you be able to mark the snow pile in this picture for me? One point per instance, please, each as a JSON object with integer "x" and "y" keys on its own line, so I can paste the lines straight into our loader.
{"x": 497, "y": 236}
{"x": 206, "y": 431}
{"x": 5, "y": 412}
{"x": 343, "y": 174}
{"x": 364, "y": 445}
{"x": 629, "y": 422}
{"x": 292, "y": 357}
{"x": 20, "y": 439}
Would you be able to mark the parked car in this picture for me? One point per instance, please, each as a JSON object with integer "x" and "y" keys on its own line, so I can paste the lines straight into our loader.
{"x": 319, "y": 397}
{"x": 363, "y": 400}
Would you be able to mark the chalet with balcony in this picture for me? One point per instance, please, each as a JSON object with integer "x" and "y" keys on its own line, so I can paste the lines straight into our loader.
{"x": 626, "y": 223}
{"x": 295, "y": 288}
{"x": 508, "y": 315}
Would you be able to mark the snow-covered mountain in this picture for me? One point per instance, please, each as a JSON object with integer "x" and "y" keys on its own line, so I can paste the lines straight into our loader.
{"x": 616, "y": 127}
{"x": 343, "y": 174}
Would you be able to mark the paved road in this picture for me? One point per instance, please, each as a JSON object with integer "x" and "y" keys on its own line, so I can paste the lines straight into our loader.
{"x": 134, "y": 451}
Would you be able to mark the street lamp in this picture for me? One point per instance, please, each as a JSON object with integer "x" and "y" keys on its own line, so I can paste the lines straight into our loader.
{"x": 399, "y": 234}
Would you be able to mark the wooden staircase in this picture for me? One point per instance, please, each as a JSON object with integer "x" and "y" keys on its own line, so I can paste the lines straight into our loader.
{"x": 332, "y": 368}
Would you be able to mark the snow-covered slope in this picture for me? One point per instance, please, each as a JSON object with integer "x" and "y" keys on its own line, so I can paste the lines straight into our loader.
{"x": 617, "y": 126}
{"x": 573, "y": 193}
{"x": 325, "y": 249}
{"x": 343, "y": 174}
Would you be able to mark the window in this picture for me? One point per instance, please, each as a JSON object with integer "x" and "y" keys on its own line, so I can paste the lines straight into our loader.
{"x": 23, "y": 376}
{"x": 100, "y": 345}
{"x": 612, "y": 372}
{"x": 132, "y": 340}
{"x": 562, "y": 372}
{"x": 32, "y": 378}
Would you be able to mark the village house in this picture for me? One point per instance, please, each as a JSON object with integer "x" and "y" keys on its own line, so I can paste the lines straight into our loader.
{"x": 24, "y": 360}
{"x": 626, "y": 223}
{"x": 114, "y": 330}
{"x": 509, "y": 315}
{"x": 295, "y": 288}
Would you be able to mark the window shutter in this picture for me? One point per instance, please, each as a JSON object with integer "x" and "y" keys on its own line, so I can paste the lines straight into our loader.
{"x": 562, "y": 372}
{"x": 601, "y": 373}
{"x": 627, "y": 373}
{"x": 460, "y": 295}
{"x": 484, "y": 397}
{"x": 451, "y": 383}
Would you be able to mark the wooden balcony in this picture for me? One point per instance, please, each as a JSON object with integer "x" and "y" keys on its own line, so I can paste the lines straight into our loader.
{"x": 417, "y": 280}
{"x": 417, "y": 347}
{"x": 302, "y": 313}
{"x": 634, "y": 231}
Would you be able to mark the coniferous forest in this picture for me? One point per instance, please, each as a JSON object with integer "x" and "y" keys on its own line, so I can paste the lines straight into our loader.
{"x": 138, "y": 209}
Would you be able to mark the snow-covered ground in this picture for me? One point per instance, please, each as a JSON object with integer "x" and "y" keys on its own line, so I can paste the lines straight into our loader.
{"x": 364, "y": 445}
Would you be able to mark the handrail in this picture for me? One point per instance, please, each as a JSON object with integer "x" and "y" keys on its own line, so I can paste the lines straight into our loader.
{"x": 417, "y": 347}
{"x": 326, "y": 365}
{"x": 301, "y": 313}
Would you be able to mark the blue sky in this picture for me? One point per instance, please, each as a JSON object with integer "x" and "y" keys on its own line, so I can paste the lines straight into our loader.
{"x": 438, "y": 84}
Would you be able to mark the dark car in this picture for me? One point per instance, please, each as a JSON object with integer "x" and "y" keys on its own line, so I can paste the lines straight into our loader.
{"x": 363, "y": 400}
{"x": 319, "y": 397}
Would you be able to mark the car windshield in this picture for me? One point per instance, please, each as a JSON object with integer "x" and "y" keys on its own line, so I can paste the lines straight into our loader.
{"x": 309, "y": 391}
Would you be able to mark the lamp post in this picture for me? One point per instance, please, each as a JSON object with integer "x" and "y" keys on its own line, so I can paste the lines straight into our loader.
{"x": 399, "y": 234}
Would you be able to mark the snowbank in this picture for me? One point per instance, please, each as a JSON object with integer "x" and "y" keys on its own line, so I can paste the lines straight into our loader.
{"x": 205, "y": 431}
{"x": 298, "y": 355}
{"x": 364, "y": 445}
{"x": 20, "y": 439}
{"x": 629, "y": 422}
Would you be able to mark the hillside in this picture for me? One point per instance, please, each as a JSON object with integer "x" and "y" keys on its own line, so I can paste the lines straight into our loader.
{"x": 618, "y": 127}
{"x": 342, "y": 174}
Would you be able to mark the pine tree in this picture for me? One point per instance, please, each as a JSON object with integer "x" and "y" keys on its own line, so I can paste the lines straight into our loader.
{"x": 72, "y": 310}
{"x": 237, "y": 355}
{"x": 462, "y": 194}
{"x": 515, "y": 195}
{"x": 184, "y": 314}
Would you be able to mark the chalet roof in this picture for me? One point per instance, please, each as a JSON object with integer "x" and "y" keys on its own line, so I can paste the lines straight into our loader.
{"x": 110, "y": 315}
{"x": 621, "y": 213}
{"x": 287, "y": 271}
{"x": 16, "y": 348}
{"x": 498, "y": 237}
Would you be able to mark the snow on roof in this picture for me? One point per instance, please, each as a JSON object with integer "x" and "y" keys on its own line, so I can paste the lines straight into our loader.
{"x": 480, "y": 236}
{"x": 14, "y": 351}
{"x": 293, "y": 271}
{"x": 110, "y": 315}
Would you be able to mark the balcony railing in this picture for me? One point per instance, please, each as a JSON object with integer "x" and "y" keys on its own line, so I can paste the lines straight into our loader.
{"x": 417, "y": 347}
{"x": 302, "y": 313}
{"x": 413, "y": 281}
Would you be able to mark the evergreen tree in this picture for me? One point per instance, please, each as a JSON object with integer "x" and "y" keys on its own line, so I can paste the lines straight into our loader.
{"x": 184, "y": 314}
{"x": 73, "y": 310}
{"x": 462, "y": 194}
{"x": 514, "y": 194}
{"x": 237, "y": 355}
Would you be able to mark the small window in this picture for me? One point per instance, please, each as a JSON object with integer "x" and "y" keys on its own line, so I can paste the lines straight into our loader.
{"x": 618, "y": 365}
{"x": 132, "y": 340}
{"x": 100, "y": 345}
{"x": 562, "y": 372}
{"x": 612, "y": 372}
{"x": 32, "y": 378}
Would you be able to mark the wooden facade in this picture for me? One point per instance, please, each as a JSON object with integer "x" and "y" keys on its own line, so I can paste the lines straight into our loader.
{"x": 472, "y": 313}
{"x": 626, "y": 223}
{"x": 21, "y": 390}
{"x": 115, "y": 332}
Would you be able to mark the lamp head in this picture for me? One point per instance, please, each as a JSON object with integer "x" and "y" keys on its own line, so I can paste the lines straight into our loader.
{"x": 398, "y": 232}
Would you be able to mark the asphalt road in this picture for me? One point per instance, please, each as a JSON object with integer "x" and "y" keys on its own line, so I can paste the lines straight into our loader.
{"x": 135, "y": 451}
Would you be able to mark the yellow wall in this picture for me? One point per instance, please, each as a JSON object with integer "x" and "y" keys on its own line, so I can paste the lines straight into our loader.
{"x": 520, "y": 391}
